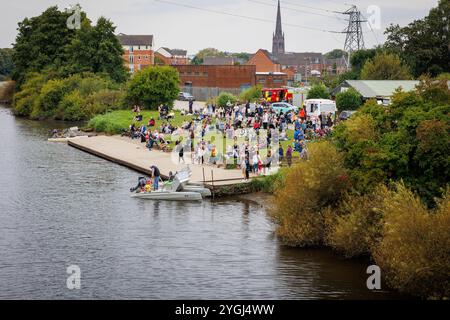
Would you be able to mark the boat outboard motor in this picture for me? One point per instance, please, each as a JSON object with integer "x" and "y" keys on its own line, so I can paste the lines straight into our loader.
{"x": 142, "y": 181}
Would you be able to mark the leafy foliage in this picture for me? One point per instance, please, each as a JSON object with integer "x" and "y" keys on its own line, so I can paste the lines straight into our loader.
{"x": 421, "y": 44}
{"x": 251, "y": 94}
{"x": 348, "y": 100}
{"x": 318, "y": 91}
{"x": 385, "y": 66}
{"x": 224, "y": 98}
{"x": 6, "y": 63}
{"x": 153, "y": 87}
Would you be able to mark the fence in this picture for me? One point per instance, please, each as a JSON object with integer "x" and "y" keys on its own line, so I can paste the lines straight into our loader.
{"x": 205, "y": 93}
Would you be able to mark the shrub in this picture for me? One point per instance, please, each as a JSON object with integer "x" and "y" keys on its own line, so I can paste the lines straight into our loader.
{"x": 72, "y": 107}
{"x": 251, "y": 94}
{"x": 318, "y": 91}
{"x": 270, "y": 183}
{"x": 25, "y": 99}
{"x": 348, "y": 100}
{"x": 49, "y": 98}
{"x": 309, "y": 186}
{"x": 153, "y": 86}
{"x": 224, "y": 98}
{"x": 7, "y": 91}
{"x": 414, "y": 251}
{"x": 104, "y": 101}
{"x": 357, "y": 226}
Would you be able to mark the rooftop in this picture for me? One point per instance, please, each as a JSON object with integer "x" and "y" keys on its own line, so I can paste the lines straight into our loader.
{"x": 135, "y": 40}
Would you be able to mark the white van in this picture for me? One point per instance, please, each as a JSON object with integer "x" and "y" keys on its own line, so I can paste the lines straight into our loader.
{"x": 315, "y": 107}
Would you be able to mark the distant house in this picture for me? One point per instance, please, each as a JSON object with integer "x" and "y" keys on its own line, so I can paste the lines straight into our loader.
{"x": 221, "y": 61}
{"x": 336, "y": 66}
{"x": 381, "y": 90}
{"x": 264, "y": 62}
{"x": 304, "y": 63}
{"x": 138, "y": 51}
{"x": 171, "y": 57}
{"x": 271, "y": 79}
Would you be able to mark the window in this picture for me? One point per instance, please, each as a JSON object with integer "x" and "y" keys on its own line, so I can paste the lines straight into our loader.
{"x": 131, "y": 59}
{"x": 131, "y": 49}
{"x": 139, "y": 57}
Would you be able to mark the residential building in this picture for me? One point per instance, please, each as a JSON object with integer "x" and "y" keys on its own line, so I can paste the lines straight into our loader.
{"x": 264, "y": 62}
{"x": 138, "y": 51}
{"x": 171, "y": 57}
{"x": 220, "y": 61}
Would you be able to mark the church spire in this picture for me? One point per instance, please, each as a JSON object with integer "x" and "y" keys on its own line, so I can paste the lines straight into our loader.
{"x": 279, "y": 29}
{"x": 278, "y": 37}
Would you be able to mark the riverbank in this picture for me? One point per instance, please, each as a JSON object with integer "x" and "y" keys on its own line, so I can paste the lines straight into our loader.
{"x": 134, "y": 155}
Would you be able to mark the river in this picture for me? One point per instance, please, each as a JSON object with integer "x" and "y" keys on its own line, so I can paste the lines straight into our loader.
{"x": 61, "y": 207}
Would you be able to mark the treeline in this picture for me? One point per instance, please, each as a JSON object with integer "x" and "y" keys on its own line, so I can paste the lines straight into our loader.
{"x": 409, "y": 52}
{"x": 379, "y": 188}
{"x": 63, "y": 73}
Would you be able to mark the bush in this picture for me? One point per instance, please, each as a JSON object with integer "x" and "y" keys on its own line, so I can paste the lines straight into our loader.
{"x": 318, "y": 91}
{"x": 224, "y": 98}
{"x": 7, "y": 91}
{"x": 251, "y": 94}
{"x": 25, "y": 99}
{"x": 348, "y": 100}
{"x": 309, "y": 186}
{"x": 270, "y": 183}
{"x": 49, "y": 98}
{"x": 414, "y": 251}
{"x": 72, "y": 107}
{"x": 154, "y": 86}
{"x": 357, "y": 227}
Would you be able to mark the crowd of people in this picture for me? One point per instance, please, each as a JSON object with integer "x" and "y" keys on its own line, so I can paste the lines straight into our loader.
{"x": 247, "y": 135}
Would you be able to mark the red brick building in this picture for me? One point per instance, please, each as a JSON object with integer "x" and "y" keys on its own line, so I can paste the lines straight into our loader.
{"x": 264, "y": 62}
{"x": 213, "y": 76}
{"x": 271, "y": 79}
{"x": 138, "y": 51}
{"x": 171, "y": 57}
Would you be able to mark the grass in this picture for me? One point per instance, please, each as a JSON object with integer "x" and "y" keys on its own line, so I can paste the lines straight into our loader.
{"x": 117, "y": 121}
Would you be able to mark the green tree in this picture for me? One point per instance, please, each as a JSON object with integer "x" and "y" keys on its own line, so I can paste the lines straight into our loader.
{"x": 385, "y": 66}
{"x": 40, "y": 42}
{"x": 224, "y": 98}
{"x": 421, "y": 44}
{"x": 359, "y": 59}
{"x": 251, "y": 94}
{"x": 96, "y": 49}
{"x": 153, "y": 86}
{"x": 6, "y": 63}
{"x": 318, "y": 91}
{"x": 348, "y": 100}
{"x": 335, "y": 54}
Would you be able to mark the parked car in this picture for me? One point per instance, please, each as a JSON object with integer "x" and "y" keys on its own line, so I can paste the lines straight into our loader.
{"x": 283, "y": 107}
{"x": 185, "y": 96}
{"x": 345, "y": 115}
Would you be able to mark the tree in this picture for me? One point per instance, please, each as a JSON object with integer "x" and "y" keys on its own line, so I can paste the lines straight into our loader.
{"x": 335, "y": 54}
{"x": 40, "y": 42}
{"x": 154, "y": 86}
{"x": 6, "y": 63}
{"x": 348, "y": 100}
{"x": 422, "y": 43}
{"x": 251, "y": 94}
{"x": 207, "y": 52}
{"x": 360, "y": 57}
{"x": 318, "y": 91}
{"x": 385, "y": 66}
{"x": 224, "y": 98}
{"x": 96, "y": 49}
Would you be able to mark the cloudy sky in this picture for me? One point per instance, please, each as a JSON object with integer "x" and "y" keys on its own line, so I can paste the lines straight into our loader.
{"x": 231, "y": 25}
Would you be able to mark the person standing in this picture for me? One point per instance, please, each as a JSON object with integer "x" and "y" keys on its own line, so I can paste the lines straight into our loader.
{"x": 156, "y": 174}
{"x": 191, "y": 106}
{"x": 289, "y": 156}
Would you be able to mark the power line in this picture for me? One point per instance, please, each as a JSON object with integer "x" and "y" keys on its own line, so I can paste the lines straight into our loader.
{"x": 310, "y": 7}
{"x": 298, "y": 10}
{"x": 242, "y": 16}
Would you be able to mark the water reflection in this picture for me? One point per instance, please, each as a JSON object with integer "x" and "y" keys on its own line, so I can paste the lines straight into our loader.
{"x": 60, "y": 206}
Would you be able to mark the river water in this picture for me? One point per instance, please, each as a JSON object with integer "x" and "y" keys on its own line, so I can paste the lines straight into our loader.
{"x": 61, "y": 207}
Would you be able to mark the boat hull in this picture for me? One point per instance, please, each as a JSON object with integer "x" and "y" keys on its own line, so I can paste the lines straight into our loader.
{"x": 166, "y": 195}
{"x": 205, "y": 192}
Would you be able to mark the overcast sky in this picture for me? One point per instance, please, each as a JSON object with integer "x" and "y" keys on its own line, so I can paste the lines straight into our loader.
{"x": 178, "y": 26}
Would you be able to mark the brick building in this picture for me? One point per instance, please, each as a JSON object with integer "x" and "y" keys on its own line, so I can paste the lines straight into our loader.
{"x": 138, "y": 51}
{"x": 206, "y": 81}
{"x": 271, "y": 79}
{"x": 264, "y": 62}
{"x": 171, "y": 57}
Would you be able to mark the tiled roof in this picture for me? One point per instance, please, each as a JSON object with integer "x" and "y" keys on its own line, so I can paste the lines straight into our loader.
{"x": 135, "y": 40}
